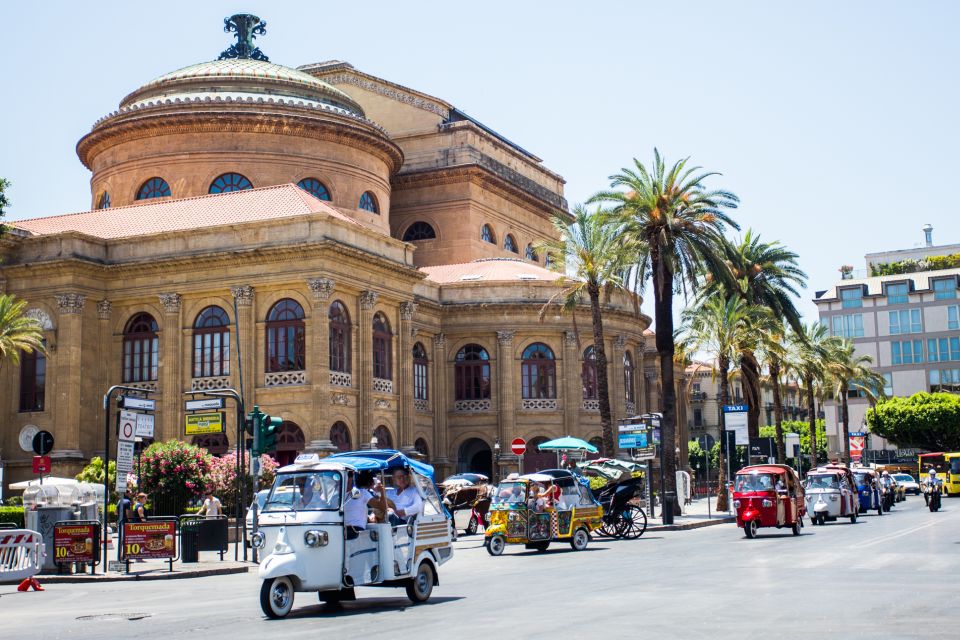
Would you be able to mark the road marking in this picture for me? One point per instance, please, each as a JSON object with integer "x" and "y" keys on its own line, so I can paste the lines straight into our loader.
{"x": 897, "y": 534}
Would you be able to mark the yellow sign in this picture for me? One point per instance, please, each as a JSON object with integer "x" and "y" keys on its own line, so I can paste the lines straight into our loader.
{"x": 199, "y": 424}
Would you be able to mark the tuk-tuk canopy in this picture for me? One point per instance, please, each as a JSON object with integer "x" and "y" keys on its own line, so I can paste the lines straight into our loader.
{"x": 380, "y": 460}
{"x": 776, "y": 469}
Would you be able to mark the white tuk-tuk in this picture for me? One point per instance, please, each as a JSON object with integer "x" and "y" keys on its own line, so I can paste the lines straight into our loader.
{"x": 306, "y": 547}
{"x": 830, "y": 493}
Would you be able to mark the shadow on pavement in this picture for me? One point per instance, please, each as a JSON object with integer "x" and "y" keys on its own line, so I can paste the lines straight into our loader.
{"x": 363, "y": 606}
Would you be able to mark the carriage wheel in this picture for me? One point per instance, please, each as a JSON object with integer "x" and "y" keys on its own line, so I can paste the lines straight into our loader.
{"x": 636, "y": 522}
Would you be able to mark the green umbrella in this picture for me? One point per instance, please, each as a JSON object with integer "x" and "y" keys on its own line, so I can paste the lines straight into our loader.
{"x": 568, "y": 443}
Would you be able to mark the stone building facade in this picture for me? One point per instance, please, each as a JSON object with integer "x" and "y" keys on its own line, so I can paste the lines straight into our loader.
{"x": 362, "y": 251}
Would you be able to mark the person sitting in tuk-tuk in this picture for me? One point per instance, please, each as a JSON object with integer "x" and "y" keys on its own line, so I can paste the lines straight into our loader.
{"x": 535, "y": 502}
{"x": 550, "y": 495}
{"x": 355, "y": 515}
{"x": 407, "y": 504}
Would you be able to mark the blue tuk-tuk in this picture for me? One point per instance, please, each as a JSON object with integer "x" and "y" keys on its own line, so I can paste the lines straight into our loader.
{"x": 868, "y": 490}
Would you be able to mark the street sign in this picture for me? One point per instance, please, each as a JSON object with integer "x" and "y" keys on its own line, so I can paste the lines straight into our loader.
{"x": 41, "y": 464}
{"x": 43, "y": 443}
{"x": 127, "y": 426}
{"x": 198, "y": 424}
{"x": 144, "y": 425}
{"x": 639, "y": 436}
{"x": 791, "y": 444}
{"x": 518, "y": 446}
{"x": 124, "y": 464}
{"x": 138, "y": 403}
{"x": 204, "y": 403}
{"x": 761, "y": 447}
{"x": 735, "y": 419}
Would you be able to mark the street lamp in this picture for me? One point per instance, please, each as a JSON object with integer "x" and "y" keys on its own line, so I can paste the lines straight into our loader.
{"x": 496, "y": 455}
{"x": 138, "y": 443}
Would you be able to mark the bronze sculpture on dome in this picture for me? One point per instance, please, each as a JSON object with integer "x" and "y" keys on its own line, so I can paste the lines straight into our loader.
{"x": 247, "y": 27}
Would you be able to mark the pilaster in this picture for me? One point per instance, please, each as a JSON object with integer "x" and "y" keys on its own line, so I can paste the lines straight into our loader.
{"x": 507, "y": 391}
{"x": 246, "y": 341}
{"x": 322, "y": 289}
{"x": 170, "y": 367}
{"x": 618, "y": 391}
{"x": 69, "y": 372}
{"x": 404, "y": 375}
{"x": 368, "y": 300}
{"x": 572, "y": 384}
{"x": 441, "y": 399}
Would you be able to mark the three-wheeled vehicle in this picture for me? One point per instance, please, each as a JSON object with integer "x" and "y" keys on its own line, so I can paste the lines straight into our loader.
{"x": 768, "y": 495}
{"x": 831, "y": 494}
{"x": 868, "y": 489}
{"x": 467, "y": 498}
{"x": 306, "y": 546}
{"x": 519, "y": 515}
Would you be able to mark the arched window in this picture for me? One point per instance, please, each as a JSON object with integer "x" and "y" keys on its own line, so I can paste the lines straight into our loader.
{"x": 420, "y": 364}
{"x": 286, "y": 349}
{"x": 140, "y": 349}
{"x": 538, "y": 372}
{"x": 628, "y": 375}
{"x": 103, "y": 202}
{"x": 153, "y": 188}
{"x": 531, "y": 253}
{"x": 510, "y": 244}
{"x": 422, "y": 447}
{"x": 33, "y": 380}
{"x": 211, "y": 343}
{"x": 339, "y": 338}
{"x": 290, "y": 442}
{"x": 230, "y": 182}
{"x": 368, "y": 202}
{"x": 486, "y": 234}
{"x": 384, "y": 439}
{"x": 382, "y": 339}
{"x": 419, "y": 230}
{"x": 589, "y": 374}
{"x": 315, "y": 188}
{"x": 472, "y": 373}
{"x": 340, "y": 436}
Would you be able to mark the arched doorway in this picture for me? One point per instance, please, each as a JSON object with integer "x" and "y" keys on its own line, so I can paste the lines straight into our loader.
{"x": 422, "y": 448}
{"x": 384, "y": 439}
{"x": 215, "y": 443}
{"x": 340, "y": 436}
{"x": 474, "y": 456}
{"x": 536, "y": 460}
{"x": 290, "y": 443}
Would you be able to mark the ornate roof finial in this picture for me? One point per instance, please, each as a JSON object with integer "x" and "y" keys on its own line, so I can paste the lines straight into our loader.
{"x": 248, "y": 27}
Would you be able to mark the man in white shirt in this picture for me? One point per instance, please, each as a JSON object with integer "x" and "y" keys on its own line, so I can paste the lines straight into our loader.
{"x": 355, "y": 508}
{"x": 211, "y": 506}
{"x": 407, "y": 502}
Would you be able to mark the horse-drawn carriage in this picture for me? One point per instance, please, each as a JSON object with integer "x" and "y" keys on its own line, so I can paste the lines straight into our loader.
{"x": 467, "y": 497}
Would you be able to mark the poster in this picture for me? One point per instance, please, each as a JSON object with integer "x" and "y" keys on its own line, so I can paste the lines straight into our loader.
{"x": 199, "y": 424}
{"x": 75, "y": 543}
{"x": 149, "y": 540}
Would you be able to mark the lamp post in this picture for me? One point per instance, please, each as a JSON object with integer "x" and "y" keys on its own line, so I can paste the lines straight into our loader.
{"x": 138, "y": 443}
{"x": 496, "y": 456}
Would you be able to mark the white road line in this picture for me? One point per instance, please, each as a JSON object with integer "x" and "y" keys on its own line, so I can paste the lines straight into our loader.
{"x": 897, "y": 534}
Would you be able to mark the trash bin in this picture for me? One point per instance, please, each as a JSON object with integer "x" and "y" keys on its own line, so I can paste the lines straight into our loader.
{"x": 669, "y": 499}
{"x": 189, "y": 541}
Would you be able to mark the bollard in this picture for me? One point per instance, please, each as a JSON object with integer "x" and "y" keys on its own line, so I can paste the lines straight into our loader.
{"x": 669, "y": 498}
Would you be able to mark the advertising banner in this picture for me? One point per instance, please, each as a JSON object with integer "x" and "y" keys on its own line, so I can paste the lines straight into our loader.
{"x": 143, "y": 540}
{"x": 857, "y": 444}
{"x": 199, "y": 424}
{"x": 75, "y": 543}
{"x": 637, "y": 434}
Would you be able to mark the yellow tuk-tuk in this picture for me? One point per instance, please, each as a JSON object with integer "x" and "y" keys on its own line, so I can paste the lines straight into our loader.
{"x": 539, "y": 508}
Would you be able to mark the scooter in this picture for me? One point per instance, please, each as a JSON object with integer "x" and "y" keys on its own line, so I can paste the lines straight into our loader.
{"x": 933, "y": 498}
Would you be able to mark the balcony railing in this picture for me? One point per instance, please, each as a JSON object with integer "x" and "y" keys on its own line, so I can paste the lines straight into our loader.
{"x": 471, "y": 406}
{"x": 214, "y": 382}
{"x": 340, "y": 379}
{"x": 382, "y": 385}
{"x": 540, "y": 404}
{"x": 284, "y": 378}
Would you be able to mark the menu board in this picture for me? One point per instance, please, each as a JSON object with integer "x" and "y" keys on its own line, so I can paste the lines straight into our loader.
{"x": 142, "y": 540}
{"x": 75, "y": 543}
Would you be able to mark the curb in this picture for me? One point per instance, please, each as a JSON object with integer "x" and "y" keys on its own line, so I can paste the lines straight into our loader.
{"x": 687, "y": 526}
{"x": 162, "y": 575}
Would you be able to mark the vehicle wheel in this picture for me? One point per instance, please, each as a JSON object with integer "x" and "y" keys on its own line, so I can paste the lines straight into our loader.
{"x": 636, "y": 522}
{"x": 796, "y": 528}
{"x": 276, "y": 597}
{"x": 853, "y": 518}
{"x": 579, "y": 540}
{"x": 879, "y": 509}
{"x": 495, "y": 545}
{"x": 750, "y": 528}
{"x": 471, "y": 526}
{"x": 421, "y": 585}
{"x": 541, "y": 546}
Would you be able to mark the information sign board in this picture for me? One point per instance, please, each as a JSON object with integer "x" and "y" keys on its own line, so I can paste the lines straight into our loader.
{"x": 735, "y": 419}
{"x": 144, "y": 404}
{"x": 75, "y": 543}
{"x": 198, "y": 424}
{"x": 144, "y": 427}
{"x": 204, "y": 403}
{"x": 143, "y": 540}
{"x": 124, "y": 464}
{"x": 127, "y": 426}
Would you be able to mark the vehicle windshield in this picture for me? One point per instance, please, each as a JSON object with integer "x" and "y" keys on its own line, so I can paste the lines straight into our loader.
{"x": 904, "y": 477}
{"x": 755, "y": 482}
{"x": 511, "y": 492}
{"x": 954, "y": 465}
{"x": 823, "y": 482}
{"x": 863, "y": 478}
{"x": 305, "y": 491}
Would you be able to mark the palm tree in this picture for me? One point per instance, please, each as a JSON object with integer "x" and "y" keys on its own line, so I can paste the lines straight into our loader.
{"x": 593, "y": 259}
{"x": 676, "y": 225}
{"x": 850, "y": 372}
{"x": 18, "y": 332}
{"x": 720, "y": 328}
{"x": 809, "y": 351}
{"x": 773, "y": 352}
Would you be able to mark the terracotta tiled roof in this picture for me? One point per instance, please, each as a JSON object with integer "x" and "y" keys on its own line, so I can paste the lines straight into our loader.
{"x": 649, "y": 332}
{"x": 489, "y": 270}
{"x": 162, "y": 215}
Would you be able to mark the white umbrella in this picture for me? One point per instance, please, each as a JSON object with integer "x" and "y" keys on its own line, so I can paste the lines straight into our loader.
{"x": 51, "y": 480}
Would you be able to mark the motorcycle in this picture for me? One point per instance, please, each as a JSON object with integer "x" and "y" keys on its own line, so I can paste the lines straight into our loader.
{"x": 933, "y": 497}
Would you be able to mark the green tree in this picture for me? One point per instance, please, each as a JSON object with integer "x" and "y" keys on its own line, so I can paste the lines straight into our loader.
{"x": 676, "y": 224}
{"x": 4, "y": 201}
{"x": 592, "y": 258}
{"x": 93, "y": 473}
{"x": 18, "y": 332}
{"x": 850, "y": 372}
{"x": 800, "y": 428}
{"x": 928, "y": 421}
{"x": 808, "y": 353}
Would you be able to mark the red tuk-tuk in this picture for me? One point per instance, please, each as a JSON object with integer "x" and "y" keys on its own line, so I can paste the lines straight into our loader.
{"x": 768, "y": 495}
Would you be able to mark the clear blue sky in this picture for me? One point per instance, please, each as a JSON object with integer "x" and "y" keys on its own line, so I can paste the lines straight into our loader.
{"x": 835, "y": 122}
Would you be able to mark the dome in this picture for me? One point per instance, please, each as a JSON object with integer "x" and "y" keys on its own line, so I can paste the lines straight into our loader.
{"x": 241, "y": 78}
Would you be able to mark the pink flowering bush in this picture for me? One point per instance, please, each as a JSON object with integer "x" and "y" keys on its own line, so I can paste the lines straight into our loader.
{"x": 173, "y": 474}
{"x": 223, "y": 477}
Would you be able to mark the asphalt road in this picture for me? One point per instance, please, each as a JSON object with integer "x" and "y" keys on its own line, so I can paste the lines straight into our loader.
{"x": 885, "y": 577}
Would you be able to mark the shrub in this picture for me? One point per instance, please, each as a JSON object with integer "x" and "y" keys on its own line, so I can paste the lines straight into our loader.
{"x": 174, "y": 473}
{"x": 223, "y": 477}
{"x": 12, "y": 514}
{"x": 93, "y": 473}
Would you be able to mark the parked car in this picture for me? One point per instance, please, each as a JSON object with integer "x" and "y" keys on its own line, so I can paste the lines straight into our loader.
{"x": 261, "y": 499}
{"x": 909, "y": 484}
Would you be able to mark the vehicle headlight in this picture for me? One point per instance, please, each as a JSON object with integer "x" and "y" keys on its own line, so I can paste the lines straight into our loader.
{"x": 316, "y": 538}
{"x": 736, "y": 504}
{"x": 767, "y": 503}
{"x": 833, "y": 498}
{"x": 258, "y": 540}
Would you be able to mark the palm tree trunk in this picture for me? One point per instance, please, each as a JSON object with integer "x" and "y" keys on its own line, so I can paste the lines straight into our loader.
{"x": 812, "y": 416}
{"x": 846, "y": 420}
{"x": 777, "y": 409}
{"x": 723, "y": 364}
{"x": 603, "y": 384}
{"x": 751, "y": 391}
{"x": 663, "y": 318}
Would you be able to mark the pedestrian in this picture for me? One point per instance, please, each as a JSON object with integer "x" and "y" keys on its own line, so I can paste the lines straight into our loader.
{"x": 124, "y": 509}
{"x": 139, "y": 510}
{"x": 211, "y": 505}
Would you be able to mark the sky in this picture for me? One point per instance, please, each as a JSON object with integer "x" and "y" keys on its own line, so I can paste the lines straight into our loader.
{"x": 834, "y": 122}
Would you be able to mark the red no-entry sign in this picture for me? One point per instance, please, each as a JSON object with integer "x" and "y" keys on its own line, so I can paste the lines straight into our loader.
{"x": 518, "y": 446}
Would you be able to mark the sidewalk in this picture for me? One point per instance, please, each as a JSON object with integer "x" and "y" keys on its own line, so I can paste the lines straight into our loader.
{"x": 695, "y": 516}
{"x": 209, "y": 565}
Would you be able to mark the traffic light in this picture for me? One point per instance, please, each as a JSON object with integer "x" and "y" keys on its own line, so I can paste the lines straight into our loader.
{"x": 248, "y": 424}
{"x": 264, "y": 430}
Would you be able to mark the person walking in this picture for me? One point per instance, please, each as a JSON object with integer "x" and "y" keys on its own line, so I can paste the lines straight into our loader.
{"x": 211, "y": 507}
{"x": 139, "y": 511}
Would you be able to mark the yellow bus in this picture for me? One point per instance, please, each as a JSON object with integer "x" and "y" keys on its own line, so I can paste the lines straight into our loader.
{"x": 947, "y": 466}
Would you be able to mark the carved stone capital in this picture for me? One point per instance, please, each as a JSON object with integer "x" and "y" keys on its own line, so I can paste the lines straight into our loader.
{"x": 171, "y": 302}
{"x": 440, "y": 341}
{"x": 413, "y": 332}
{"x": 322, "y": 288}
{"x": 104, "y": 309}
{"x": 620, "y": 342}
{"x": 408, "y": 310}
{"x": 368, "y": 299}
{"x": 505, "y": 337}
{"x": 70, "y": 303}
{"x": 570, "y": 338}
{"x": 243, "y": 295}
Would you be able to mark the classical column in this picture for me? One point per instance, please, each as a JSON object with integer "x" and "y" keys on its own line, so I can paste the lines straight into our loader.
{"x": 572, "y": 384}
{"x": 69, "y": 371}
{"x": 170, "y": 362}
{"x": 246, "y": 341}
{"x": 618, "y": 392}
{"x": 507, "y": 395}
{"x": 441, "y": 399}
{"x": 319, "y": 361}
{"x": 368, "y": 300}
{"x": 107, "y": 363}
{"x": 404, "y": 374}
